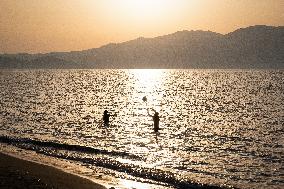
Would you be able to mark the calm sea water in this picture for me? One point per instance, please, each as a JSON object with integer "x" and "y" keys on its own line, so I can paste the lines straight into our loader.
{"x": 218, "y": 127}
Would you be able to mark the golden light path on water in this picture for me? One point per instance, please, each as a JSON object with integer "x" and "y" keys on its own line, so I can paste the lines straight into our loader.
{"x": 155, "y": 85}
{"x": 148, "y": 83}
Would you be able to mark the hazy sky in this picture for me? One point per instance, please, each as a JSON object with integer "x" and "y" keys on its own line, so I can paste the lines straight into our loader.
{"x": 63, "y": 25}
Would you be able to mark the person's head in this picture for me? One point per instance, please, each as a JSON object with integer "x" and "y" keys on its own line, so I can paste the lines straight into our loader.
{"x": 156, "y": 113}
{"x": 105, "y": 112}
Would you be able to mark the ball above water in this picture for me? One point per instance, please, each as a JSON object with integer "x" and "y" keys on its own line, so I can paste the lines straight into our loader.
{"x": 144, "y": 99}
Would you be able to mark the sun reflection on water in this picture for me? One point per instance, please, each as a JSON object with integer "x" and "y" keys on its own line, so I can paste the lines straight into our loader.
{"x": 148, "y": 78}
{"x": 149, "y": 83}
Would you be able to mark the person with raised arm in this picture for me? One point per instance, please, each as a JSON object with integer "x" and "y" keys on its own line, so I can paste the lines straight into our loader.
{"x": 156, "y": 120}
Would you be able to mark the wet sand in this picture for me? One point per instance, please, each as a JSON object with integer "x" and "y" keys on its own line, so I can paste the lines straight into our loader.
{"x": 17, "y": 173}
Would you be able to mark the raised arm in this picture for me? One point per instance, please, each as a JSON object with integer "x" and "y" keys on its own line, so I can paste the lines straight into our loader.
{"x": 149, "y": 113}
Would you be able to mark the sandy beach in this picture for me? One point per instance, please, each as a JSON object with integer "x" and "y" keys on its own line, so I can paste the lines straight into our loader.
{"x": 17, "y": 173}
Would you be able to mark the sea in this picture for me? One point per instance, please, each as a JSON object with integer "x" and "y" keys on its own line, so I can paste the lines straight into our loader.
{"x": 218, "y": 128}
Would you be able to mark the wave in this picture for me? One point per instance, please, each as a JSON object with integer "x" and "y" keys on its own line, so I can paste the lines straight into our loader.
{"x": 23, "y": 142}
{"x": 69, "y": 152}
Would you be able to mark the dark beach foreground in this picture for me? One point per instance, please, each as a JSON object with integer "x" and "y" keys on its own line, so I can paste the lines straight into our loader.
{"x": 17, "y": 173}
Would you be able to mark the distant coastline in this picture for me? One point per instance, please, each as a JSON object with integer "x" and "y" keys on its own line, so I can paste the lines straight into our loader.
{"x": 255, "y": 47}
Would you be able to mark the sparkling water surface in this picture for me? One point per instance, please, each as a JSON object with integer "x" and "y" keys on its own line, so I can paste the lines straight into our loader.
{"x": 220, "y": 127}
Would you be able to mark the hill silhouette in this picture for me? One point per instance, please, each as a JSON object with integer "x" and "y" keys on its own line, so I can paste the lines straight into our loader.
{"x": 255, "y": 47}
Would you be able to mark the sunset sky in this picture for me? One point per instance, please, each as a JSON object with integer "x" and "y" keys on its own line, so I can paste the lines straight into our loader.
{"x": 34, "y": 26}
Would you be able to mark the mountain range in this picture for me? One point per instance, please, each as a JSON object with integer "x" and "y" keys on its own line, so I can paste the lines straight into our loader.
{"x": 255, "y": 47}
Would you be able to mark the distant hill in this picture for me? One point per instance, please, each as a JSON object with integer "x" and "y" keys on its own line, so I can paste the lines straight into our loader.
{"x": 257, "y": 47}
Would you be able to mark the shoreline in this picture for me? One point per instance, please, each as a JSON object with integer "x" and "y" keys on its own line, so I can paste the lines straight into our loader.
{"x": 19, "y": 173}
{"x": 25, "y": 164}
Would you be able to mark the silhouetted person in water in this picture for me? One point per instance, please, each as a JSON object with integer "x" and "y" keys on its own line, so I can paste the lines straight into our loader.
{"x": 156, "y": 120}
{"x": 106, "y": 117}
